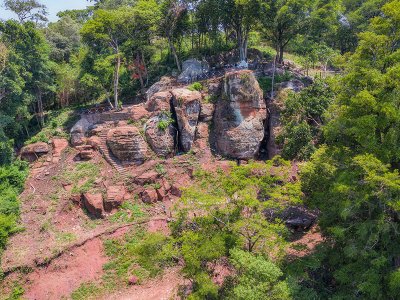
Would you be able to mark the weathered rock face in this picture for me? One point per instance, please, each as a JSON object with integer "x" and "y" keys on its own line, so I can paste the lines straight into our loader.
{"x": 160, "y": 139}
{"x": 187, "y": 108}
{"x": 94, "y": 204}
{"x": 192, "y": 68}
{"x": 127, "y": 144}
{"x": 161, "y": 85}
{"x": 78, "y": 132}
{"x": 160, "y": 101}
{"x": 239, "y": 116}
{"x": 34, "y": 151}
{"x": 115, "y": 197}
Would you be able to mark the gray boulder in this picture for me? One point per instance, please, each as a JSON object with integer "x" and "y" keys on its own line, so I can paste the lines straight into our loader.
{"x": 191, "y": 69}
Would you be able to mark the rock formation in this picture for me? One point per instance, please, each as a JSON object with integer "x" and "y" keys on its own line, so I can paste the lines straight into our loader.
{"x": 160, "y": 134}
{"x": 127, "y": 144}
{"x": 239, "y": 116}
{"x": 187, "y": 109}
{"x": 33, "y": 151}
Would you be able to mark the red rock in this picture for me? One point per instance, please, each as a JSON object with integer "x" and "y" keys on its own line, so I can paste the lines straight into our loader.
{"x": 94, "y": 204}
{"x": 133, "y": 280}
{"x": 76, "y": 199}
{"x": 160, "y": 101}
{"x": 161, "y": 193}
{"x": 115, "y": 197}
{"x": 147, "y": 178}
{"x": 175, "y": 191}
{"x": 166, "y": 184}
{"x": 139, "y": 112}
{"x": 33, "y": 151}
{"x": 127, "y": 144}
{"x": 94, "y": 142}
{"x": 239, "y": 117}
{"x": 59, "y": 146}
{"x": 149, "y": 196}
{"x": 161, "y": 140}
{"x": 187, "y": 109}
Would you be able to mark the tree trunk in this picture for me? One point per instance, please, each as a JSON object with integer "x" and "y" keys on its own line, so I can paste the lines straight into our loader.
{"x": 173, "y": 50}
{"x": 280, "y": 54}
{"x": 116, "y": 79}
{"x": 242, "y": 45}
{"x": 40, "y": 108}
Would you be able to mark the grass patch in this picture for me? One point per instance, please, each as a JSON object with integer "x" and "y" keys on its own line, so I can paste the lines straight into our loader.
{"x": 82, "y": 177}
{"x": 128, "y": 212}
{"x": 140, "y": 254}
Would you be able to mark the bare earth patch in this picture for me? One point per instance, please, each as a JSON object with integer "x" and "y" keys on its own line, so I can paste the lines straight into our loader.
{"x": 68, "y": 272}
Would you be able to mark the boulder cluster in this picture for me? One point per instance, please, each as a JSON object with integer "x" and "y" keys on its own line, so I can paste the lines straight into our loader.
{"x": 227, "y": 115}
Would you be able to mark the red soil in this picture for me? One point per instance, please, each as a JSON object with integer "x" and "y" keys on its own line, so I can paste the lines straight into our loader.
{"x": 68, "y": 272}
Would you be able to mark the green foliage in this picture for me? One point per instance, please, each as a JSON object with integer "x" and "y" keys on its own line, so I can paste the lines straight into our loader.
{"x": 141, "y": 254}
{"x": 257, "y": 278}
{"x": 12, "y": 179}
{"x": 164, "y": 120}
{"x": 302, "y": 118}
{"x": 197, "y": 86}
{"x": 82, "y": 176}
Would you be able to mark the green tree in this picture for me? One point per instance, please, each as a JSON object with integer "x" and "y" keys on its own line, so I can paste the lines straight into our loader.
{"x": 257, "y": 278}
{"x": 284, "y": 19}
{"x": 109, "y": 29}
{"x": 27, "y": 10}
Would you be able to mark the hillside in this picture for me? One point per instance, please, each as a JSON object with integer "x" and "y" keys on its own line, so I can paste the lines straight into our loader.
{"x": 213, "y": 149}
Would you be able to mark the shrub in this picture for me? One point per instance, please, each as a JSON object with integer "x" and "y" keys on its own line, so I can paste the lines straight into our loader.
{"x": 197, "y": 86}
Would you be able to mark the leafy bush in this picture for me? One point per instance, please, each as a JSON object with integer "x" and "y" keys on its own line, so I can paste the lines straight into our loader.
{"x": 197, "y": 86}
{"x": 12, "y": 179}
{"x": 165, "y": 119}
{"x": 302, "y": 119}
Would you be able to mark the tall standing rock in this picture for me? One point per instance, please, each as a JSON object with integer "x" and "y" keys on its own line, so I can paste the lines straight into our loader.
{"x": 239, "y": 116}
{"x": 127, "y": 144}
{"x": 160, "y": 134}
{"x": 187, "y": 105}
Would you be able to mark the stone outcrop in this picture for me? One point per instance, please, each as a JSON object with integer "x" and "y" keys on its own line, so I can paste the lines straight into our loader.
{"x": 78, "y": 132}
{"x": 94, "y": 204}
{"x": 127, "y": 144}
{"x": 162, "y": 85}
{"x": 85, "y": 152}
{"x": 187, "y": 109}
{"x": 192, "y": 68}
{"x": 59, "y": 146}
{"x": 160, "y": 101}
{"x": 150, "y": 195}
{"x": 160, "y": 139}
{"x": 239, "y": 117}
{"x": 33, "y": 151}
{"x": 116, "y": 195}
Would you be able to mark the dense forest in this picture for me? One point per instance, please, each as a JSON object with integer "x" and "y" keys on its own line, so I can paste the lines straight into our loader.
{"x": 343, "y": 131}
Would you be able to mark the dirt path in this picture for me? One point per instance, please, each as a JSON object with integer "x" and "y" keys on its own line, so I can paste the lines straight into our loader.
{"x": 164, "y": 288}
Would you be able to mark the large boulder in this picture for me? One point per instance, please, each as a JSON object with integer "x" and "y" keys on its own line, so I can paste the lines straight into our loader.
{"x": 115, "y": 197}
{"x": 78, "y": 132}
{"x": 191, "y": 69}
{"x": 94, "y": 204}
{"x": 164, "y": 84}
{"x": 127, "y": 144}
{"x": 187, "y": 105}
{"x": 33, "y": 151}
{"x": 239, "y": 116}
{"x": 160, "y": 134}
{"x": 160, "y": 101}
